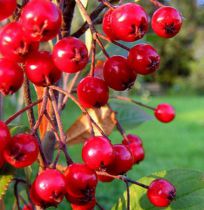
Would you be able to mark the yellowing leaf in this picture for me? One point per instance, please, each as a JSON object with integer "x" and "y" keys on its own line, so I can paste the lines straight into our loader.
{"x": 80, "y": 130}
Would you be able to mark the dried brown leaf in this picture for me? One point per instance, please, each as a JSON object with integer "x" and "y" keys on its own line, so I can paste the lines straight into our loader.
{"x": 80, "y": 130}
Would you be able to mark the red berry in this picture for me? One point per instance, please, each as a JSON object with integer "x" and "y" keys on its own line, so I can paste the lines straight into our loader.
{"x": 5, "y": 136}
{"x": 104, "y": 178}
{"x": 28, "y": 207}
{"x": 14, "y": 44}
{"x": 134, "y": 144}
{"x": 92, "y": 92}
{"x": 50, "y": 186}
{"x": 70, "y": 55}
{"x": 11, "y": 77}
{"x": 129, "y": 22}
{"x": 88, "y": 206}
{"x": 41, "y": 20}
{"x": 81, "y": 180}
{"x": 123, "y": 160}
{"x": 22, "y": 150}
{"x": 107, "y": 25}
{"x": 143, "y": 59}
{"x": 39, "y": 66}
{"x": 117, "y": 74}
{"x": 35, "y": 198}
{"x": 166, "y": 22}
{"x": 7, "y": 8}
{"x": 161, "y": 192}
{"x": 97, "y": 152}
{"x": 164, "y": 113}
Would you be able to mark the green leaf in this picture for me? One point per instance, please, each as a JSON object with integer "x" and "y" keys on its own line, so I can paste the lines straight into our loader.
{"x": 189, "y": 185}
{"x": 6, "y": 176}
{"x": 129, "y": 115}
{"x": 16, "y": 129}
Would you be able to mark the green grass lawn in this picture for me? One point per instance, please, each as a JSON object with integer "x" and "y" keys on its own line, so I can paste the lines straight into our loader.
{"x": 179, "y": 144}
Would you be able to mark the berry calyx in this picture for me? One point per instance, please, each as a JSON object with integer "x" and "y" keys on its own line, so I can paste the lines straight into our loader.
{"x": 92, "y": 92}
{"x": 70, "y": 55}
{"x": 81, "y": 180}
{"x": 129, "y": 22}
{"x": 11, "y": 76}
{"x": 117, "y": 74}
{"x": 164, "y": 113}
{"x": 166, "y": 22}
{"x": 50, "y": 186}
{"x": 123, "y": 160}
{"x": 14, "y": 43}
{"x": 5, "y": 136}
{"x": 98, "y": 153}
{"x": 134, "y": 144}
{"x": 143, "y": 59}
{"x": 7, "y": 8}
{"x": 40, "y": 69}
{"x": 161, "y": 192}
{"x": 22, "y": 150}
{"x": 41, "y": 20}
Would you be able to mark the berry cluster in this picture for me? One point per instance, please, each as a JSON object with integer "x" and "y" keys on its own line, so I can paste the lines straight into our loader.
{"x": 22, "y": 57}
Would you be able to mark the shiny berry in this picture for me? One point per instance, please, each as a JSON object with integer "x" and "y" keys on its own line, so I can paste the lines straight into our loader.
{"x": 164, "y": 113}
{"x": 129, "y": 22}
{"x": 117, "y": 74}
{"x": 166, "y": 22}
{"x": 97, "y": 152}
{"x": 107, "y": 25}
{"x": 11, "y": 76}
{"x": 22, "y": 150}
{"x": 92, "y": 92}
{"x": 161, "y": 192}
{"x": 14, "y": 44}
{"x": 5, "y": 136}
{"x": 134, "y": 144}
{"x": 70, "y": 55}
{"x": 39, "y": 67}
{"x": 50, "y": 186}
{"x": 123, "y": 160}
{"x": 143, "y": 59}
{"x": 7, "y": 8}
{"x": 104, "y": 178}
{"x": 41, "y": 20}
{"x": 88, "y": 206}
{"x": 35, "y": 198}
{"x": 81, "y": 180}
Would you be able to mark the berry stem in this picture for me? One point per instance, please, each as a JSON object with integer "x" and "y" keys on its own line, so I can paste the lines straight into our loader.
{"x": 114, "y": 42}
{"x": 93, "y": 57}
{"x": 123, "y": 178}
{"x": 99, "y": 206}
{"x": 157, "y": 3}
{"x": 128, "y": 195}
{"x": 69, "y": 90}
{"x": 62, "y": 139}
{"x": 14, "y": 116}
{"x": 42, "y": 111}
{"x": 122, "y": 98}
{"x": 107, "y": 4}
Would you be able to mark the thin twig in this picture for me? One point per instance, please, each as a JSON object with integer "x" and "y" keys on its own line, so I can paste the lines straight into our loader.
{"x": 93, "y": 57}
{"x": 122, "y": 98}
{"x": 157, "y": 3}
{"x": 14, "y": 116}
